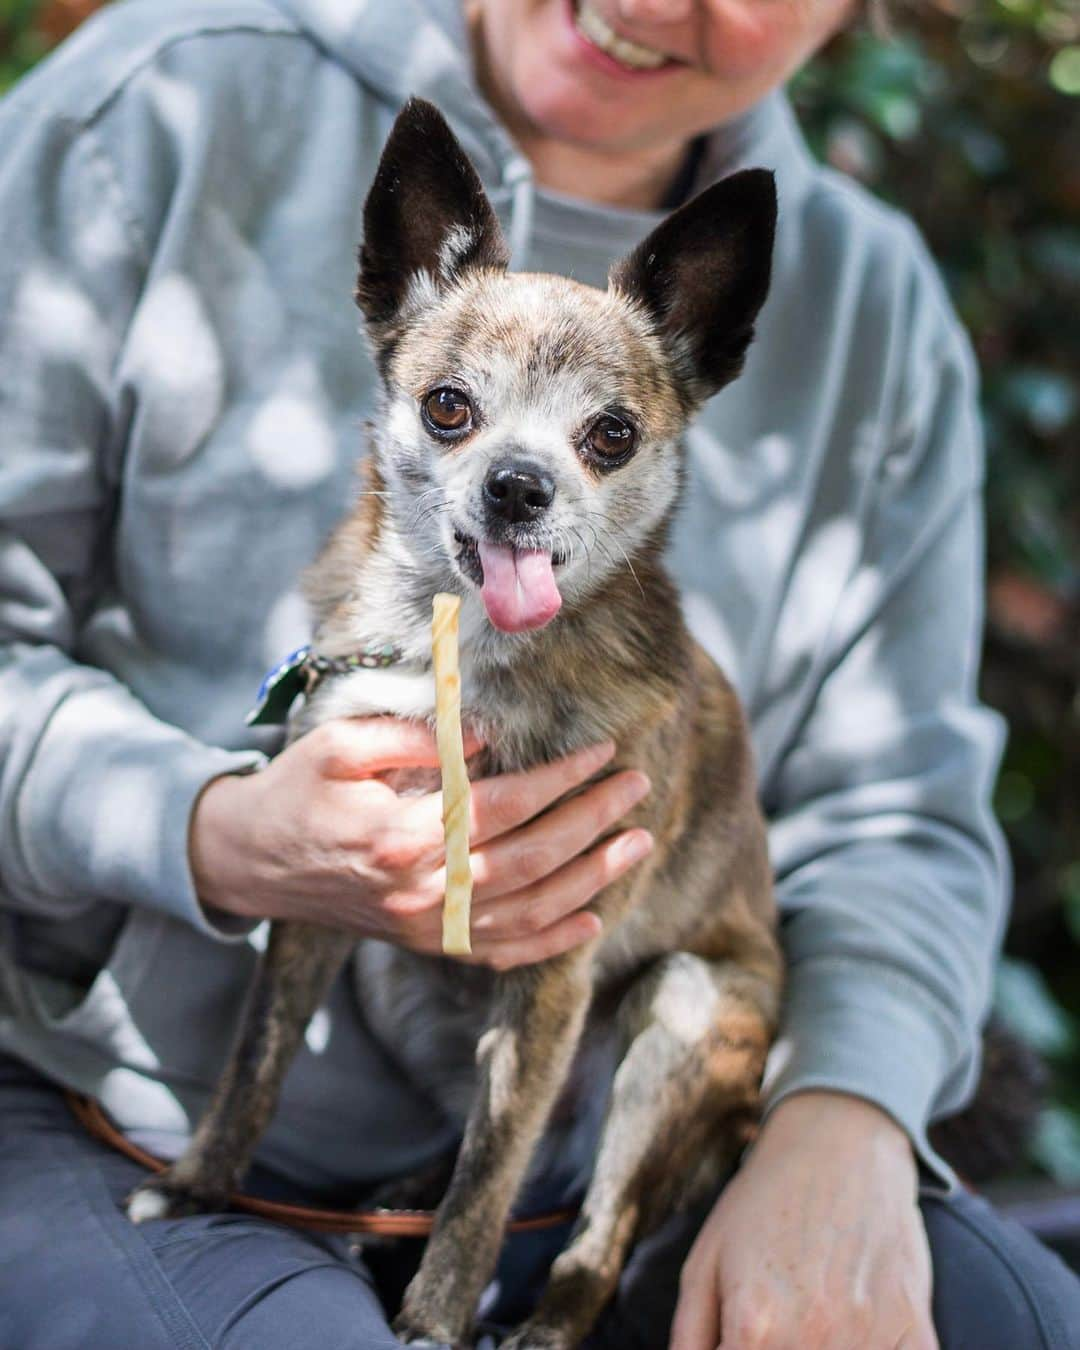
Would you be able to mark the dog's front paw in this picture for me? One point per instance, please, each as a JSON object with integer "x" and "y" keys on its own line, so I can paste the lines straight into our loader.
{"x": 423, "y": 1340}
{"x": 535, "y": 1337}
{"x": 422, "y": 1334}
{"x": 163, "y": 1198}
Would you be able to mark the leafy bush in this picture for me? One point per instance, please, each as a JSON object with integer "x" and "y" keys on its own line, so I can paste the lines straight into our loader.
{"x": 968, "y": 117}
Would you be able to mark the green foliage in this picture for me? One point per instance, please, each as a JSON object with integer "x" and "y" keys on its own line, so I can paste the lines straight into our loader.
{"x": 1023, "y": 999}
{"x": 968, "y": 117}
{"x": 21, "y": 41}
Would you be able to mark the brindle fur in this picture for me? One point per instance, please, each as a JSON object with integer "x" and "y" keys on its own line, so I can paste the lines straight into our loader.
{"x": 688, "y": 956}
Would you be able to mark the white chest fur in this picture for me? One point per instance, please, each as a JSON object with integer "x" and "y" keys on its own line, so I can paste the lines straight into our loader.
{"x": 404, "y": 691}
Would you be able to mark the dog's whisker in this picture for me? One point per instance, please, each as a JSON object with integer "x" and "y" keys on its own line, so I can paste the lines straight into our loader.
{"x": 585, "y": 549}
{"x": 429, "y": 513}
{"x": 630, "y": 565}
{"x": 598, "y": 543}
{"x": 428, "y": 491}
{"x": 419, "y": 504}
{"x": 423, "y": 514}
{"x": 610, "y": 534}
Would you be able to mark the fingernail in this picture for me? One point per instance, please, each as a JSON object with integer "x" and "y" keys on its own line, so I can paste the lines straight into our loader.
{"x": 638, "y": 785}
{"x": 636, "y": 846}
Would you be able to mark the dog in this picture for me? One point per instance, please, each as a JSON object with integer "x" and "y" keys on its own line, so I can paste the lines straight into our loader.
{"x": 542, "y": 419}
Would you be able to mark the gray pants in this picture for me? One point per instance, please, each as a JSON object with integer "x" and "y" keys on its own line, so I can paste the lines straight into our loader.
{"x": 75, "y": 1275}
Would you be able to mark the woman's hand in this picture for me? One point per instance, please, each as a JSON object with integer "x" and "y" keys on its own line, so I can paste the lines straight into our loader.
{"x": 316, "y": 836}
{"x": 817, "y": 1242}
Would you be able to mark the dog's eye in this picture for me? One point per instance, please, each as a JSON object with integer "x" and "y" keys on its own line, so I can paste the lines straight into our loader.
{"x": 447, "y": 410}
{"x": 610, "y": 439}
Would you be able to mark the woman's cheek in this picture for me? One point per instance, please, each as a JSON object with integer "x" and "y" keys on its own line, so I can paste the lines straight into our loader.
{"x": 756, "y": 39}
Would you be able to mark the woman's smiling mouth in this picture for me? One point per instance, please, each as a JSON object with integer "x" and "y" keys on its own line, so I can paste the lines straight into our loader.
{"x": 591, "y": 26}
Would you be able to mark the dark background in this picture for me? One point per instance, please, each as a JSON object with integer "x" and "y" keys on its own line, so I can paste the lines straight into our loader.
{"x": 967, "y": 115}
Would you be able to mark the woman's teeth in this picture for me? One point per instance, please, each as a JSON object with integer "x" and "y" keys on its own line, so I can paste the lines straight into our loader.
{"x": 592, "y": 26}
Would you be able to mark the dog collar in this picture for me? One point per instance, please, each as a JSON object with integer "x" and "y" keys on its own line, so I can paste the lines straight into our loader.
{"x": 304, "y": 670}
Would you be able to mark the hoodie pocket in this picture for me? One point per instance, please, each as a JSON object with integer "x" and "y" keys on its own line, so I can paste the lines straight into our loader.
{"x": 99, "y": 1014}
{"x": 164, "y": 1004}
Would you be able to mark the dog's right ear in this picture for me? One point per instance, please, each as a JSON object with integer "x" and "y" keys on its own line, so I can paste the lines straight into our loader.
{"x": 427, "y": 219}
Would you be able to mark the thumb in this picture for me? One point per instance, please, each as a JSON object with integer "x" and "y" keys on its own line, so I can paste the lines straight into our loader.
{"x": 361, "y": 747}
{"x": 697, "y": 1314}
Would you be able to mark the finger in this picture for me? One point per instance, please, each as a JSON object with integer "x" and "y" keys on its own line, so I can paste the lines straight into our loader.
{"x": 697, "y": 1316}
{"x": 534, "y": 851}
{"x": 537, "y": 907}
{"x": 360, "y": 747}
{"x": 561, "y": 937}
{"x": 508, "y": 800}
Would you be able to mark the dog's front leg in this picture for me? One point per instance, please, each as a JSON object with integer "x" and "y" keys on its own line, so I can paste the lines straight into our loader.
{"x": 292, "y": 978}
{"x": 524, "y": 1057}
{"x": 687, "y": 1087}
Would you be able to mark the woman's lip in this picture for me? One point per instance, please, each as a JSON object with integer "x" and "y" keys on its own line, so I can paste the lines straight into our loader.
{"x": 602, "y": 61}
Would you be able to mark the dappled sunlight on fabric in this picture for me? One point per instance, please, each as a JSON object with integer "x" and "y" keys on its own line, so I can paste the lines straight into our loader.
{"x": 431, "y": 58}
{"x": 176, "y": 103}
{"x": 338, "y": 19}
{"x": 778, "y": 1059}
{"x": 106, "y": 1016}
{"x": 259, "y": 936}
{"x": 317, "y": 1035}
{"x": 130, "y": 1096}
{"x": 865, "y": 454}
{"x": 708, "y": 627}
{"x": 65, "y": 325}
{"x": 740, "y": 476}
{"x": 288, "y": 626}
{"x": 775, "y": 533}
{"x": 292, "y": 441}
{"x": 827, "y": 560}
{"x": 120, "y": 799}
{"x": 881, "y": 710}
{"x": 108, "y": 632}
{"x": 98, "y": 239}
{"x": 175, "y": 355}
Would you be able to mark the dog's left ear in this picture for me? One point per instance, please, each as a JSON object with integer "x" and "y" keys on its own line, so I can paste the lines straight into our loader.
{"x": 703, "y": 275}
{"x": 426, "y": 214}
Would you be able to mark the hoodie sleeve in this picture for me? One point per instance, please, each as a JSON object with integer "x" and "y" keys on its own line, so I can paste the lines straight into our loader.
{"x": 95, "y": 792}
{"x": 890, "y": 868}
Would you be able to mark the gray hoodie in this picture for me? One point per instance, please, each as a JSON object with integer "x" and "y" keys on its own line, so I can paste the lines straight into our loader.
{"x": 181, "y": 391}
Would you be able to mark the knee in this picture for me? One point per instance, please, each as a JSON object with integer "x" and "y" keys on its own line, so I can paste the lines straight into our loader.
{"x": 995, "y": 1286}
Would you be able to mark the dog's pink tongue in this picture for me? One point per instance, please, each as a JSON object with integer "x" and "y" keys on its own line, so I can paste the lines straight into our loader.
{"x": 519, "y": 590}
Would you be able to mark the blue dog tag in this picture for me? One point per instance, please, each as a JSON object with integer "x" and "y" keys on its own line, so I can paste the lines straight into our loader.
{"x": 279, "y": 691}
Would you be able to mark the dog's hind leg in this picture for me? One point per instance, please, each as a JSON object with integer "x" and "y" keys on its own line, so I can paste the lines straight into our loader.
{"x": 697, "y": 1034}
{"x": 294, "y": 974}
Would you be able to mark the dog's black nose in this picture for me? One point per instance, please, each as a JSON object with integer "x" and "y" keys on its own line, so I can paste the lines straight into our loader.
{"x": 518, "y": 493}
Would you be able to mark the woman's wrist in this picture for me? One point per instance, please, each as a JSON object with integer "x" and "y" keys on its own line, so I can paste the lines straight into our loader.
{"x": 848, "y": 1122}
{"x": 211, "y": 843}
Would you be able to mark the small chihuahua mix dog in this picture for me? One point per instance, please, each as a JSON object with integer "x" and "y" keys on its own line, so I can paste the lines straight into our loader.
{"x": 524, "y": 420}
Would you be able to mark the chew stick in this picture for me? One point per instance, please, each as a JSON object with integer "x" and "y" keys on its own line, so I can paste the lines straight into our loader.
{"x": 455, "y": 777}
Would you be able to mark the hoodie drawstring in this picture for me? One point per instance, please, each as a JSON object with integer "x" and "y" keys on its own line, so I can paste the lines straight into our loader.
{"x": 518, "y": 177}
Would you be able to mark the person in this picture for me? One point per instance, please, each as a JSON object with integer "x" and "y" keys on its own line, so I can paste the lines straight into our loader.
{"x": 181, "y": 392}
